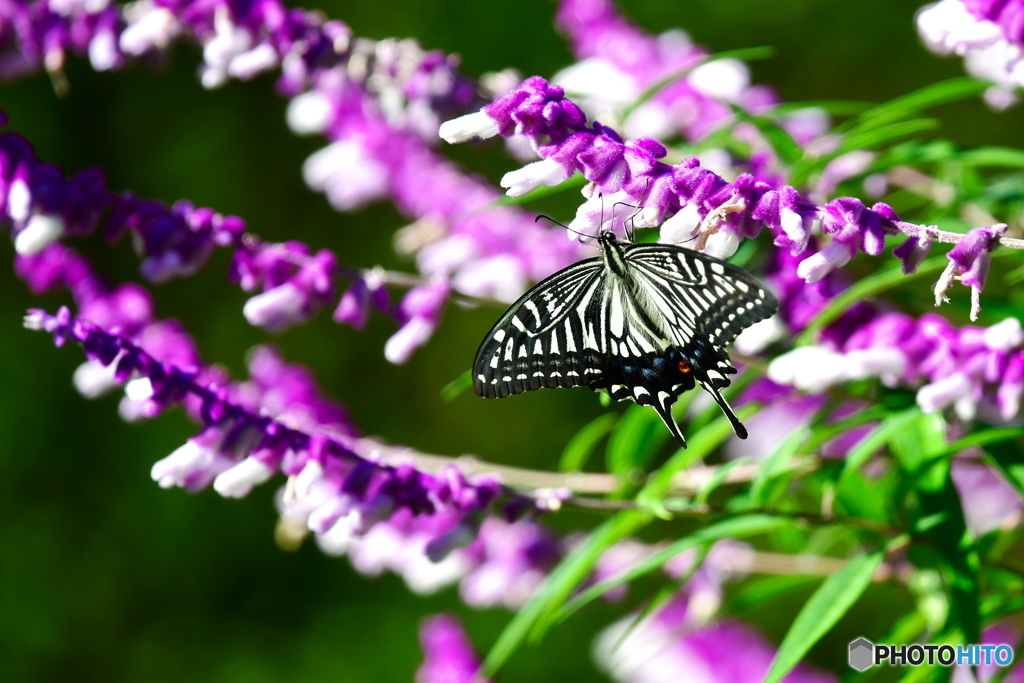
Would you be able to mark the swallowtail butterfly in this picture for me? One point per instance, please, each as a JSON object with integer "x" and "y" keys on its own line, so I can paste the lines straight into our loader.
{"x": 645, "y": 322}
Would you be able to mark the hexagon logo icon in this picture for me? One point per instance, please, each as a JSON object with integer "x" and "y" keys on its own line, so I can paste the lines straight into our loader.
{"x": 862, "y": 654}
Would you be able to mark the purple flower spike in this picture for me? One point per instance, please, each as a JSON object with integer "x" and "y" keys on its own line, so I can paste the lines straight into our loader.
{"x": 296, "y": 299}
{"x": 421, "y": 310}
{"x": 969, "y": 262}
{"x": 789, "y": 217}
{"x": 366, "y": 293}
{"x": 536, "y": 110}
{"x": 987, "y": 33}
{"x": 855, "y": 228}
{"x": 915, "y": 249}
{"x": 195, "y": 465}
{"x": 449, "y": 656}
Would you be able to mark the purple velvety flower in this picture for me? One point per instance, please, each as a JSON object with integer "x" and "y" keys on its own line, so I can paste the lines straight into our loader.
{"x": 969, "y": 263}
{"x": 988, "y": 34}
{"x": 854, "y": 227}
{"x": 378, "y": 102}
{"x": 977, "y": 371}
{"x": 718, "y": 213}
{"x": 915, "y": 249}
{"x": 448, "y": 654}
{"x": 253, "y": 430}
{"x": 296, "y": 284}
{"x": 42, "y": 206}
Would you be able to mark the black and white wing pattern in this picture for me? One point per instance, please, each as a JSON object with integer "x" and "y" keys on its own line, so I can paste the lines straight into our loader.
{"x": 644, "y": 322}
{"x": 546, "y": 338}
{"x": 700, "y": 305}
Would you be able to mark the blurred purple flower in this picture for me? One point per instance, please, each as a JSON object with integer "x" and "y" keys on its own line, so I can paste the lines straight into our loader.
{"x": 989, "y": 501}
{"x": 987, "y": 34}
{"x": 448, "y": 654}
{"x": 252, "y": 430}
{"x": 670, "y": 645}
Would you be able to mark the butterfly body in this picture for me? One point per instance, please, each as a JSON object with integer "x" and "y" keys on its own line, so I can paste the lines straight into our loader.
{"x": 644, "y": 322}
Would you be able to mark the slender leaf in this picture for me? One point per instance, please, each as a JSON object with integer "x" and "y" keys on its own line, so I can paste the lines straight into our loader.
{"x": 1008, "y": 459}
{"x": 457, "y": 386}
{"x": 582, "y": 445}
{"x": 759, "y": 590}
{"x": 825, "y": 608}
{"x": 834, "y": 107}
{"x": 984, "y": 438}
{"x": 992, "y": 156}
{"x": 666, "y": 593}
{"x": 775, "y": 464}
{"x": 637, "y": 437}
{"x": 702, "y": 443}
{"x": 876, "y": 439}
{"x": 939, "y": 516}
{"x": 747, "y": 54}
{"x": 823, "y": 433}
{"x": 929, "y": 96}
{"x": 562, "y": 581}
{"x": 876, "y": 136}
{"x": 717, "y": 478}
{"x": 737, "y": 527}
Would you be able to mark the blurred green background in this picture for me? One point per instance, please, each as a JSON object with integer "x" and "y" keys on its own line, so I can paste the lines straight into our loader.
{"x": 106, "y": 577}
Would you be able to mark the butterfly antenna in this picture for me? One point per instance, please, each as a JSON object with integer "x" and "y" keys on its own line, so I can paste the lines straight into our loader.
{"x": 562, "y": 225}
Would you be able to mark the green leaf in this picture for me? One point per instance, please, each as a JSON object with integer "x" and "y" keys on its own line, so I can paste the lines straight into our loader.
{"x": 746, "y": 54}
{"x": 582, "y": 445}
{"x": 822, "y": 611}
{"x": 1007, "y": 458}
{"x": 778, "y": 137}
{"x": 637, "y": 437}
{"x": 865, "y": 288}
{"x": 876, "y": 136}
{"x": 984, "y": 438}
{"x": 533, "y": 618}
{"x": 929, "y": 96}
{"x": 702, "y": 443}
{"x": 457, "y": 386}
{"x": 876, "y": 439}
{"x": 717, "y": 478}
{"x": 920, "y": 450}
{"x": 940, "y": 516}
{"x": 826, "y": 431}
{"x": 834, "y": 107}
{"x": 759, "y": 590}
{"x": 737, "y": 527}
{"x": 665, "y": 594}
{"x": 992, "y": 156}
{"x": 775, "y": 464}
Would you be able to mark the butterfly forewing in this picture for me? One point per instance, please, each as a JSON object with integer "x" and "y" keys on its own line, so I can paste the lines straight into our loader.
{"x": 550, "y": 338}
{"x": 698, "y": 295}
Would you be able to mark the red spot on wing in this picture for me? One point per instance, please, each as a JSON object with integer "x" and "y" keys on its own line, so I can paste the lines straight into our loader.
{"x": 684, "y": 367}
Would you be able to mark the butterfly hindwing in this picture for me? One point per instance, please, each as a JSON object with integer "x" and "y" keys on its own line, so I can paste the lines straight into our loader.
{"x": 549, "y": 338}
{"x": 704, "y": 304}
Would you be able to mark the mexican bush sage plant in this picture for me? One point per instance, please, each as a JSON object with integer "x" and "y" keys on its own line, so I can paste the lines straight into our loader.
{"x": 886, "y": 435}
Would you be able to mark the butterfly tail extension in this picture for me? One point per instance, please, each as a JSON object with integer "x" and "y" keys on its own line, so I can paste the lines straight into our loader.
{"x": 663, "y": 405}
{"x": 737, "y": 426}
